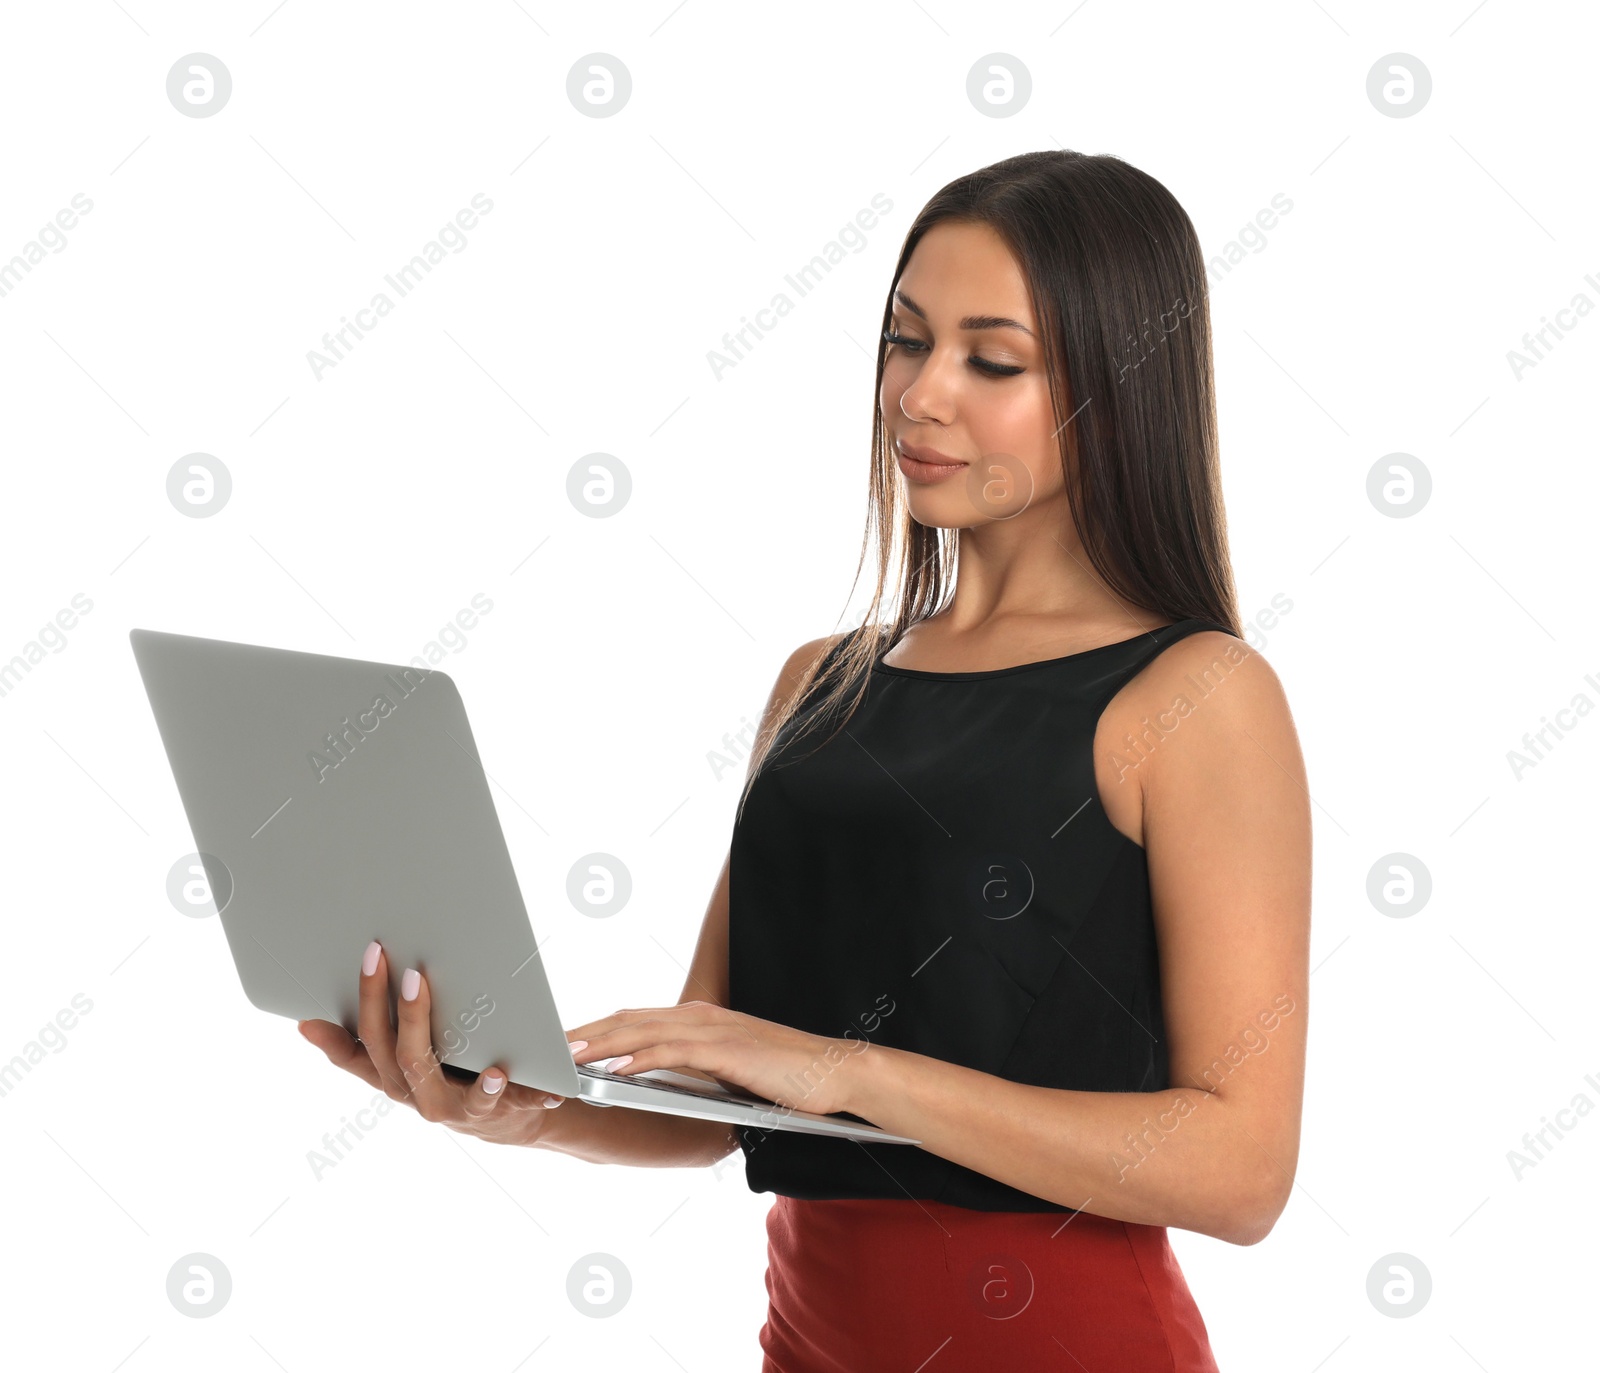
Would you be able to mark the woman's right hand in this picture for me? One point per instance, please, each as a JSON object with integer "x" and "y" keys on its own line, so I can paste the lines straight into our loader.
{"x": 403, "y": 1064}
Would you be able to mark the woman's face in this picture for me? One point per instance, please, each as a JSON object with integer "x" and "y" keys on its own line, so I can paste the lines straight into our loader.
{"x": 964, "y": 382}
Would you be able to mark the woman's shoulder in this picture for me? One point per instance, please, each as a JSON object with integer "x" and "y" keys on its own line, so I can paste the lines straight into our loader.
{"x": 1225, "y": 686}
{"x": 813, "y": 654}
{"x": 825, "y": 649}
{"x": 1217, "y": 649}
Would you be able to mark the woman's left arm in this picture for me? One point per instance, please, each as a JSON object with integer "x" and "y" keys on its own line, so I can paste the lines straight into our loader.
{"x": 1227, "y": 832}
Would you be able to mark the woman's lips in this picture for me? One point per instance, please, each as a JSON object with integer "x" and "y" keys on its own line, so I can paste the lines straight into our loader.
{"x": 923, "y": 465}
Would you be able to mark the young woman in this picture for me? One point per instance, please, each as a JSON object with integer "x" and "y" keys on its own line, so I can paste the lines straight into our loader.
{"x": 1021, "y": 870}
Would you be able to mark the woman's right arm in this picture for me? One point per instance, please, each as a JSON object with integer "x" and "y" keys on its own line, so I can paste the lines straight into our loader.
{"x": 651, "y": 1139}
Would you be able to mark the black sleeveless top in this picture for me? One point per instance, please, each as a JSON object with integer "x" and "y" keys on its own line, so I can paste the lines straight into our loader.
{"x": 939, "y": 876}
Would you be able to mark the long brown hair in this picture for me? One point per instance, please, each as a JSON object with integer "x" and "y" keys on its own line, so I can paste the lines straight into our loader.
{"x": 1118, "y": 286}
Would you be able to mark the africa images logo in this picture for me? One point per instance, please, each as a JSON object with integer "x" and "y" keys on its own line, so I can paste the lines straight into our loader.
{"x": 341, "y": 745}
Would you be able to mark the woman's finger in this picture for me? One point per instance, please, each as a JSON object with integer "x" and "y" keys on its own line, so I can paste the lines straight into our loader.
{"x": 372, "y": 1020}
{"x": 342, "y": 1048}
{"x": 668, "y": 1043}
{"x": 432, "y": 1092}
{"x": 688, "y": 1011}
{"x": 487, "y": 1093}
{"x": 396, "y": 1053}
{"x": 603, "y": 1043}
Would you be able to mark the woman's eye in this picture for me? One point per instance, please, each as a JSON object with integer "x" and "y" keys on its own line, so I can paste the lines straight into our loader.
{"x": 995, "y": 369}
{"x": 992, "y": 369}
{"x": 901, "y": 341}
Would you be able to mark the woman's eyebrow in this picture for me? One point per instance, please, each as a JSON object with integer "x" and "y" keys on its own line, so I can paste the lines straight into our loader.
{"x": 973, "y": 322}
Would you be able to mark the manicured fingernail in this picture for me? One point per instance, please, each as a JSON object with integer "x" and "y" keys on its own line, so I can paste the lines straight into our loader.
{"x": 411, "y": 984}
{"x": 492, "y": 1083}
{"x": 617, "y": 1064}
{"x": 369, "y": 960}
{"x": 553, "y": 1102}
{"x": 578, "y": 1046}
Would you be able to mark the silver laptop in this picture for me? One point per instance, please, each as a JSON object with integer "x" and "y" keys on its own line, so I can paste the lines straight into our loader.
{"x": 334, "y": 802}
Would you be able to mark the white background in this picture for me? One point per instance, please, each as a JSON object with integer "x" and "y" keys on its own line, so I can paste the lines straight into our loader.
{"x": 429, "y": 465}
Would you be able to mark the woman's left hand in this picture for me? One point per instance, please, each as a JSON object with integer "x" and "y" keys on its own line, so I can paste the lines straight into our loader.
{"x": 800, "y": 1071}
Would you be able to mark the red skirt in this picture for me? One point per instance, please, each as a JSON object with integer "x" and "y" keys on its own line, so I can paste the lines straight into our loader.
{"x": 854, "y": 1286}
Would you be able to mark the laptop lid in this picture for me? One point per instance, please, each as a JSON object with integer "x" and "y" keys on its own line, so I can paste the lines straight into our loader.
{"x": 334, "y": 802}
